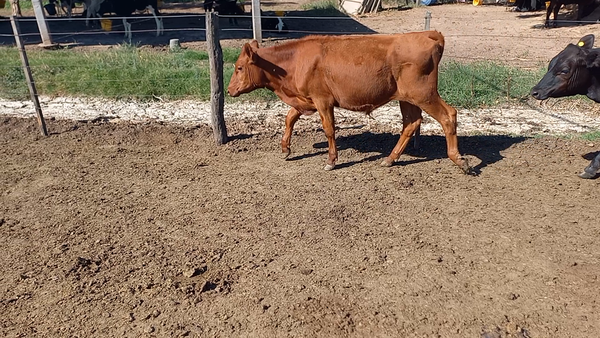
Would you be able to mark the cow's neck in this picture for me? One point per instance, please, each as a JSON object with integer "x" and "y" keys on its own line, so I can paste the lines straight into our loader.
{"x": 593, "y": 91}
{"x": 275, "y": 65}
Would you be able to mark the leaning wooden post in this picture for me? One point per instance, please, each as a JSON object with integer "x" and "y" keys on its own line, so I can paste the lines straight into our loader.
{"x": 42, "y": 24}
{"x": 256, "y": 24}
{"x": 28, "y": 76}
{"x": 217, "y": 97}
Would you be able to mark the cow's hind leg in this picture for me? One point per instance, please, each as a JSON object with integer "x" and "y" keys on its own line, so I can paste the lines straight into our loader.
{"x": 446, "y": 116}
{"x": 292, "y": 117}
{"x": 16, "y": 8}
{"x": 548, "y": 12}
{"x": 411, "y": 121}
{"x": 158, "y": 20}
{"x": 326, "y": 113}
{"x": 555, "y": 14}
{"x": 591, "y": 170}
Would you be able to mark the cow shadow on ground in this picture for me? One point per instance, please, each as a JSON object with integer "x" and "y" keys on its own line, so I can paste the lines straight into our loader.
{"x": 486, "y": 148}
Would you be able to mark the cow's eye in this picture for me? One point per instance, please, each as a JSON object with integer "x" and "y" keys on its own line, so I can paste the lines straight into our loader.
{"x": 564, "y": 71}
{"x": 239, "y": 68}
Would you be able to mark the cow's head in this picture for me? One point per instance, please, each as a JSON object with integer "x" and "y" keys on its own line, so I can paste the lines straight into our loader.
{"x": 247, "y": 75}
{"x": 570, "y": 72}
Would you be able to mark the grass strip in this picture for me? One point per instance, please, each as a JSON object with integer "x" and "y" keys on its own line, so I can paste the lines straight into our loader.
{"x": 127, "y": 72}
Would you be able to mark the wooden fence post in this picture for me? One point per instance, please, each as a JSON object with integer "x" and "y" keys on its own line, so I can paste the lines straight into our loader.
{"x": 29, "y": 76}
{"x": 217, "y": 97}
{"x": 42, "y": 24}
{"x": 256, "y": 24}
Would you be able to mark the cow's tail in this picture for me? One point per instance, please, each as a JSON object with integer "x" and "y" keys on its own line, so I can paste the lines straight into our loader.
{"x": 439, "y": 42}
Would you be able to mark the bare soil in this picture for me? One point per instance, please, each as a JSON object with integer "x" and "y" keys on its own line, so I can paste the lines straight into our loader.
{"x": 119, "y": 229}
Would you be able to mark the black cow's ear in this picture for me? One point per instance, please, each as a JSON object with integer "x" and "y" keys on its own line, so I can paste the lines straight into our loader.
{"x": 586, "y": 42}
{"x": 592, "y": 60}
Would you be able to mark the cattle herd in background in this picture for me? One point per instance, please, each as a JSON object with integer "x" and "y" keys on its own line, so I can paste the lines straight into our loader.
{"x": 125, "y": 8}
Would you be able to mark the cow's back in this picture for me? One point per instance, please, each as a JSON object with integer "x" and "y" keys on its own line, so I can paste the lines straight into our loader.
{"x": 364, "y": 72}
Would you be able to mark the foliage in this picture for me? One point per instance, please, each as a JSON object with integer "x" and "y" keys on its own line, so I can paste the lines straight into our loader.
{"x": 124, "y": 72}
{"x": 323, "y": 8}
{"x": 130, "y": 72}
{"x": 591, "y": 136}
{"x": 484, "y": 83}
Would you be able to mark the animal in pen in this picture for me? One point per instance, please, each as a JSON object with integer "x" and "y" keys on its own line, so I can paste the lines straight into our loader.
{"x": 574, "y": 71}
{"x": 555, "y": 5}
{"x": 354, "y": 72}
{"x": 232, "y": 10}
{"x": 124, "y": 9}
{"x": 67, "y": 6}
{"x": 16, "y": 8}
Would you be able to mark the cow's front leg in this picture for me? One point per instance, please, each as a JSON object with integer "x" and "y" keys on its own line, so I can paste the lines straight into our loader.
{"x": 292, "y": 116}
{"x": 411, "y": 120}
{"x": 328, "y": 121}
{"x": 591, "y": 170}
{"x": 446, "y": 116}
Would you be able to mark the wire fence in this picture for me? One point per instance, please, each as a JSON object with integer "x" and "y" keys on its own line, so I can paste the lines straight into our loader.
{"x": 130, "y": 72}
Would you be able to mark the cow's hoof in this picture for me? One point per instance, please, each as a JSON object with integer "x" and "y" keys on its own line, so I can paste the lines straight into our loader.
{"x": 329, "y": 167}
{"x": 285, "y": 153}
{"x": 466, "y": 168}
{"x": 387, "y": 162}
{"x": 586, "y": 175}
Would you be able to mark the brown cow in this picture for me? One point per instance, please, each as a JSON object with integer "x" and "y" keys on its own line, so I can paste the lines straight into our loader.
{"x": 359, "y": 73}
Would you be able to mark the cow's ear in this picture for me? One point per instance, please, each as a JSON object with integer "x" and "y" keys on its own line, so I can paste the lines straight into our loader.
{"x": 592, "y": 60}
{"x": 254, "y": 44}
{"x": 247, "y": 49}
{"x": 586, "y": 42}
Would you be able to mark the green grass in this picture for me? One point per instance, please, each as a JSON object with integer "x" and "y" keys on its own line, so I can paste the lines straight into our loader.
{"x": 323, "y": 8}
{"x": 484, "y": 84}
{"x": 128, "y": 72}
{"x": 591, "y": 136}
{"x": 24, "y": 4}
{"x": 123, "y": 72}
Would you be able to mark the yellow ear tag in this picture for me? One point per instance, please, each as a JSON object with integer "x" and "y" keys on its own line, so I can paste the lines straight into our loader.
{"x": 580, "y": 44}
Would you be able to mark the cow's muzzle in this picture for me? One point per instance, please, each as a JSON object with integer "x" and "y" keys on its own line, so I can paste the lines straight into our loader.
{"x": 539, "y": 94}
{"x": 233, "y": 93}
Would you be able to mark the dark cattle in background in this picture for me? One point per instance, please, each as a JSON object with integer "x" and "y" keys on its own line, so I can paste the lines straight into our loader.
{"x": 574, "y": 71}
{"x": 583, "y": 6}
{"x": 124, "y": 8}
{"x": 229, "y": 8}
{"x": 354, "y": 72}
{"x": 233, "y": 9}
{"x": 273, "y": 23}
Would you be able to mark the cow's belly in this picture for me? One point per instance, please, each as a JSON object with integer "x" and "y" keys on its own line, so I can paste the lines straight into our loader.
{"x": 363, "y": 94}
{"x": 364, "y": 101}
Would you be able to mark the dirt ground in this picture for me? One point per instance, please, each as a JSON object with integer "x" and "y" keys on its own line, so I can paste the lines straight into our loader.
{"x": 151, "y": 230}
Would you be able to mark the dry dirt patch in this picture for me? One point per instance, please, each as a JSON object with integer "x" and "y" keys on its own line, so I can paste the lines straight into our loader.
{"x": 117, "y": 229}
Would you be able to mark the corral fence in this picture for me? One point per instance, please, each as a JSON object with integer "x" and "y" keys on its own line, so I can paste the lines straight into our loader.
{"x": 199, "y": 27}
{"x": 213, "y": 47}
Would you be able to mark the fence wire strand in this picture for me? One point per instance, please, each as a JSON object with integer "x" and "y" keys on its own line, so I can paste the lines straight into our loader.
{"x": 11, "y": 70}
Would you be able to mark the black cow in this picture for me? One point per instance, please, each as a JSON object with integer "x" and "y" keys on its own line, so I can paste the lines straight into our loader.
{"x": 575, "y": 70}
{"x": 555, "y": 5}
{"x": 125, "y": 8}
{"x": 232, "y": 8}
